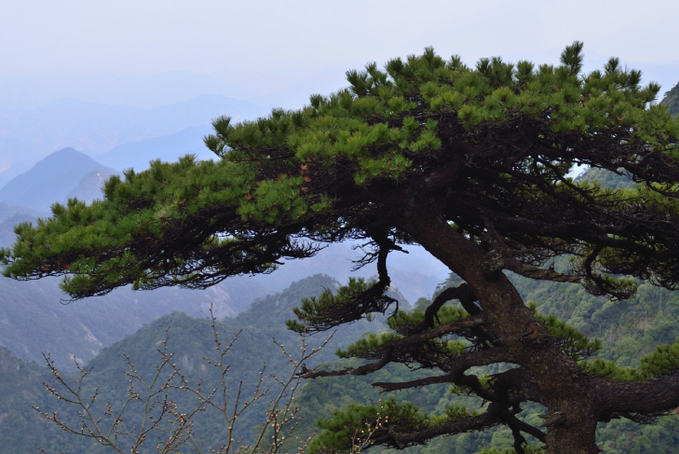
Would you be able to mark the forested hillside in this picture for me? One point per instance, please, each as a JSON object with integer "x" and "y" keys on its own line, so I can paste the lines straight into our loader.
{"x": 671, "y": 100}
{"x": 627, "y": 328}
{"x": 22, "y": 430}
{"x": 191, "y": 340}
{"x": 33, "y": 319}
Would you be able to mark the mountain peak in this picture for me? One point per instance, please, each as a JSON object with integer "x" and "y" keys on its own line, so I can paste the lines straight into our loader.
{"x": 50, "y": 180}
{"x": 65, "y": 153}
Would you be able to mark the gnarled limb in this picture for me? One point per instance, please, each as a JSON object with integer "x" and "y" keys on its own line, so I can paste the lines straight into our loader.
{"x": 636, "y": 397}
{"x": 398, "y": 440}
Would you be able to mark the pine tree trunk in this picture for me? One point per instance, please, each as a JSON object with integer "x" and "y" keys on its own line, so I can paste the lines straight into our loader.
{"x": 571, "y": 418}
{"x": 574, "y": 439}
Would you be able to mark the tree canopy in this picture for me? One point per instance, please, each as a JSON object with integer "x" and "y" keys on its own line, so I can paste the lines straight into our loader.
{"x": 470, "y": 163}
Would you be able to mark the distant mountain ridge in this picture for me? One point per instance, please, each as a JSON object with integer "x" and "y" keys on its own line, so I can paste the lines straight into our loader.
{"x": 671, "y": 100}
{"x": 166, "y": 148}
{"x": 34, "y": 318}
{"x": 94, "y": 128}
{"x": 11, "y": 215}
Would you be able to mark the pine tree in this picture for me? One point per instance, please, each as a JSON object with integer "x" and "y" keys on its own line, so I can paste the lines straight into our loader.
{"x": 470, "y": 163}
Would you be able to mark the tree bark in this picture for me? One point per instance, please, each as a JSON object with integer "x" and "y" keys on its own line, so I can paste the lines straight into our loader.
{"x": 571, "y": 417}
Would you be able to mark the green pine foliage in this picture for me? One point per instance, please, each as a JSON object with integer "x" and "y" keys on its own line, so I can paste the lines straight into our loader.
{"x": 251, "y": 187}
{"x": 360, "y": 422}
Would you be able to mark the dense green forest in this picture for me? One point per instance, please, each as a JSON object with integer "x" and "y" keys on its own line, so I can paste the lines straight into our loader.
{"x": 627, "y": 329}
{"x": 191, "y": 340}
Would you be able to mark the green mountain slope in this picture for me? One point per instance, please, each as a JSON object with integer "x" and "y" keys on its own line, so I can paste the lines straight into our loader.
{"x": 22, "y": 430}
{"x": 633, "y": 324}
{"x": 606, "y": 178}
{"x": 191, "y": 339}
{"x": 34, "y": 320}
{"x": 671, "y": 100}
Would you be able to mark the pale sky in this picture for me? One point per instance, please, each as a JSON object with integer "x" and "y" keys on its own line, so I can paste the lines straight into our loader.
{"x": 259, "y": 47}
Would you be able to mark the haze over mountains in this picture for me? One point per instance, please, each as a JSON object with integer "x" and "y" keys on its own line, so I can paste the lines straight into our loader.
{"x": 68, "y": 147}
{"x": 94, "y": 129}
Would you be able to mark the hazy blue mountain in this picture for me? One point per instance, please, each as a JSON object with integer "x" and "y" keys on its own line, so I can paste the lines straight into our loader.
{"x": 13, "y": 157}
{"x": 7, "y": 235}
{"x": 11, "y": 215}
{"x": 89, "y": 187}
{"x": 28, "y": 136}
{"x": 167, "y": 148}
{"x": 50, "y": 180}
